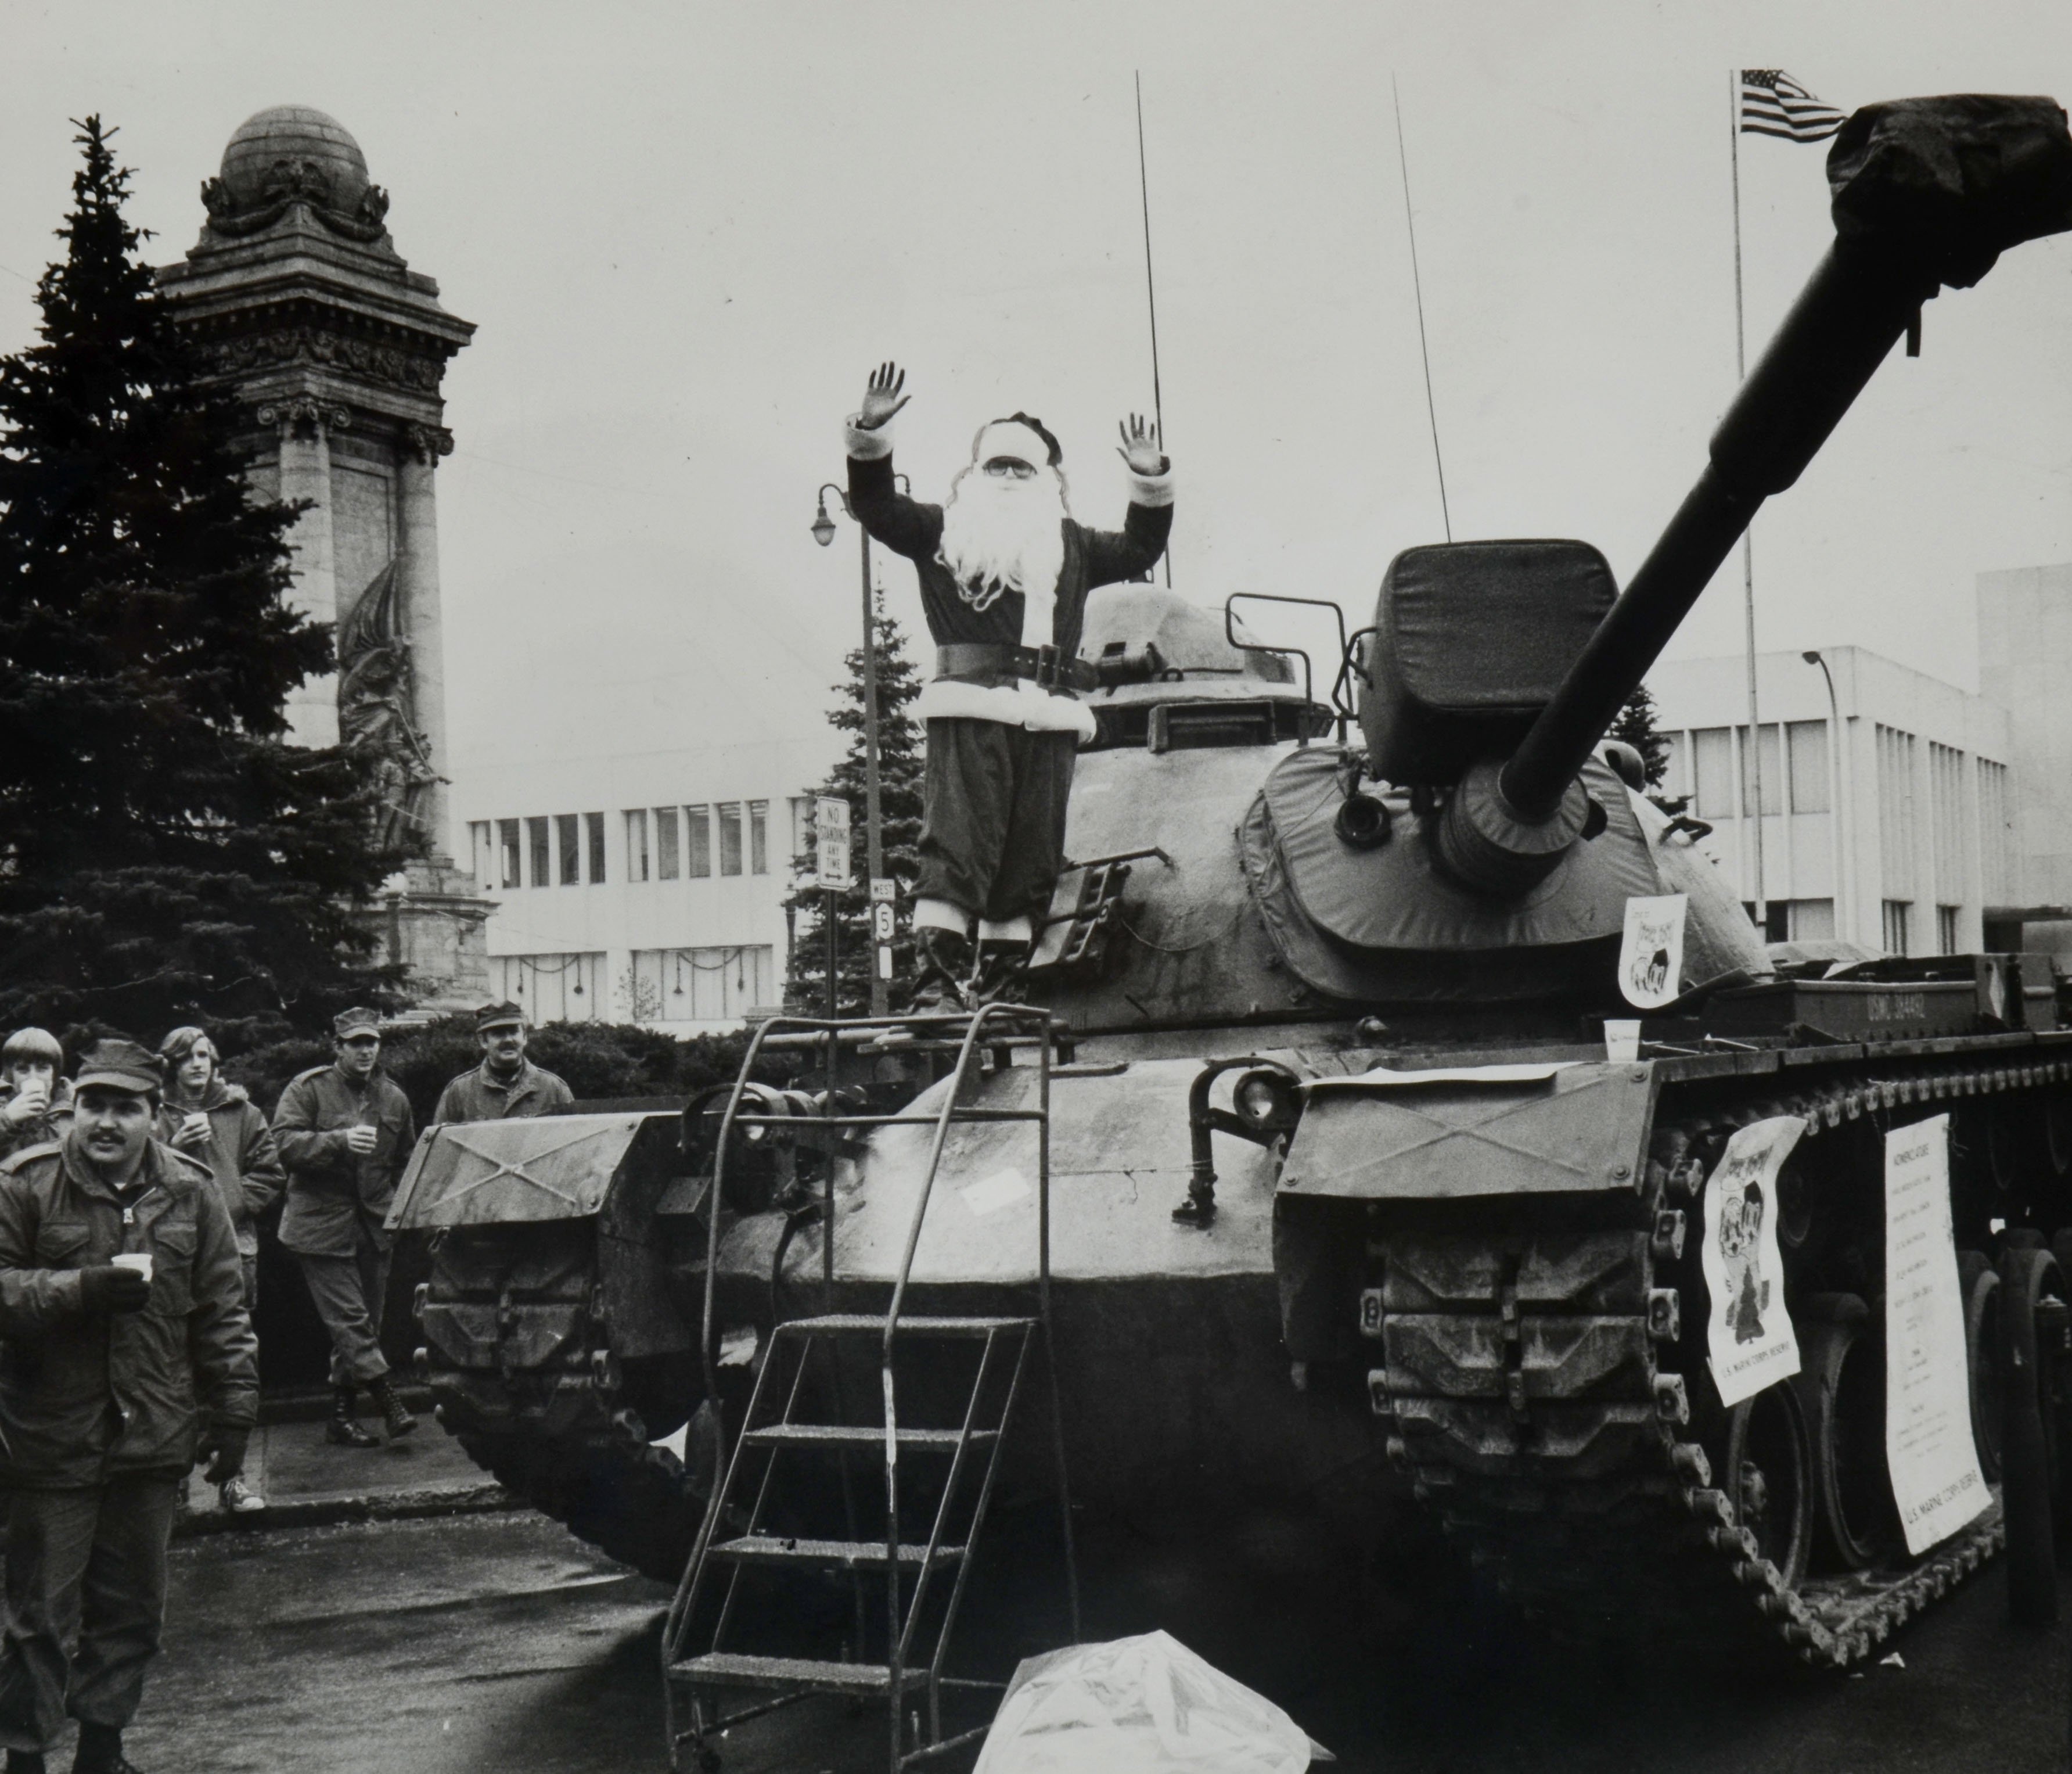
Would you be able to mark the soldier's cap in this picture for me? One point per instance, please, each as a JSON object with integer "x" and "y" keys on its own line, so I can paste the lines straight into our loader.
{"x": 497, "y": 1016}
{"x": 349, "y": 1023}
{"x": 119, "y": 1065}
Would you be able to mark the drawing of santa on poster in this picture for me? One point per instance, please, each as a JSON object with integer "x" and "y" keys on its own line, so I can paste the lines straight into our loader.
{"x": 1928, "y": 1444}
{"x": 1748, "y": 1340}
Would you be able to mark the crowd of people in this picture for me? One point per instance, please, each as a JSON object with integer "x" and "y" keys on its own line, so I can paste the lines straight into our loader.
{"x": 130, "y": 1197}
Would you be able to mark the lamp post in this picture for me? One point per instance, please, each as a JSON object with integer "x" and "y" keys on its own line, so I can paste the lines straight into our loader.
{"x": 823, "y": 528}
{"x": 1845, "y": 911}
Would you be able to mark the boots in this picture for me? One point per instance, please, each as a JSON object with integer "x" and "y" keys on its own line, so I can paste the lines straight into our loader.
{"x": 395, "y": 1419}
{"x": 25, "y": 1761}
{"x": 99, "y": 1751}
{"x": 342, "y": 1430}
{"x": 1003, "y": 972}
{"x": 946, "y": 958}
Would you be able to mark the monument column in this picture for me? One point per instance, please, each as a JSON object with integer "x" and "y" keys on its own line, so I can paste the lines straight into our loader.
{"x": 305, "y": 445}
{"x": 309, "y": 319}
{"x": 417, "y": 585}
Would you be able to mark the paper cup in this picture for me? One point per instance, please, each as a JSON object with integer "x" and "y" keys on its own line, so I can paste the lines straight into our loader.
{"x": 140, "y": 1260}
{"x": 1622, "y": 1039}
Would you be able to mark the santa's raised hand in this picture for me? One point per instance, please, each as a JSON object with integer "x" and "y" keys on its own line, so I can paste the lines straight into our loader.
{"x": 1140, "y": 445}
{"x": 882, "y": 397}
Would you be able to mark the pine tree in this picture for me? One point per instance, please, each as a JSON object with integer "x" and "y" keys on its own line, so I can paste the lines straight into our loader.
{"x": 1635, "y": 725}
{"x": 901, "y": 746}
{"x": 164, "y": 856}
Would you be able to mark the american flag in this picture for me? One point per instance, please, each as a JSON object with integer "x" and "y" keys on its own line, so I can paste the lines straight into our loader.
{"x": 1774, "y": 103}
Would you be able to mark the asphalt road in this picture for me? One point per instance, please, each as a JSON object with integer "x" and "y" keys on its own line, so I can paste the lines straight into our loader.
{"x": 456, "y": 1645}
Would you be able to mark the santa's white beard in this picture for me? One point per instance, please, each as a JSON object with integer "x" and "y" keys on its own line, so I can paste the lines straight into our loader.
{"x": 1001, "y": 534}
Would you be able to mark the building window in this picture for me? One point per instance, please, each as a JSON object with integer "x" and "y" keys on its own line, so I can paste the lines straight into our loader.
{"x": 550, "y": 988}
{"x": 1996, "y": 872}
{"x": 666, "y": 854}
{"x": 1946, "y": 823}
{"x": 1946, "y": 929}
{"x": 702, "y": 985}
{"x": 536, "y": 840}
{"x": 1770, "y": 755}
{"x": 730, "y": 837}
{"x": 1895, "y": 931}
{"x": 802, "y": 826}
{"x": 759, "y": 837}
{"x": 636, "y": 843}
{"x": 594, "y": 838}
{"x": 1713, "y": 760}
{"x": 1812, "y": 921}
{"x": 568, "y": 840}
{"x": 1895, "y": 829}
{"x": 697, "y": 843}
{"x": 1776, "y": 925}
{"x": 506, "y": 840}
{"x": 1806, "y": 742}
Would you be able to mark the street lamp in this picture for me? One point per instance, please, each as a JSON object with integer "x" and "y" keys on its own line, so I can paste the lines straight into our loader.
{"x": 1845, "y": 911}
{"x": 823, "y": 528}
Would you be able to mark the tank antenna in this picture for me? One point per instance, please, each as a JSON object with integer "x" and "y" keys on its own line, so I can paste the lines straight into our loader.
{"x": 1151, "y": 294}
{"x": 1424, "y": 350}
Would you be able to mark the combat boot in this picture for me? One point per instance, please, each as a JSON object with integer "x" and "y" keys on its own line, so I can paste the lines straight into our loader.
{"x": 1003, "y": 972}
{"x": 946, "y": 959}
{"x": 395, "y": 1419}
{"x": 343, "y": 1431}
{"x": 100, "y": 1751}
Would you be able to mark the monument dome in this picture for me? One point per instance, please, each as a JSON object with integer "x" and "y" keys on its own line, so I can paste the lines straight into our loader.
{"x": 295, "y": 151}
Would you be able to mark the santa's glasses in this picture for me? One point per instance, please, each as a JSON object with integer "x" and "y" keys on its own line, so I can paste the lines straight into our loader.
{"x": 1010, "y": 465}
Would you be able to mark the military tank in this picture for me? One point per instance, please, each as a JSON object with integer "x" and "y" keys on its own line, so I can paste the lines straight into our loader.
{"x": 1348, "y": 1198}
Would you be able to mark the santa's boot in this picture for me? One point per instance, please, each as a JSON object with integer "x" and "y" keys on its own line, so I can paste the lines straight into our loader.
{"x": 343, "y": 1430}
{"x": 945, "y": 957}
{"x": 1003, "y": 972}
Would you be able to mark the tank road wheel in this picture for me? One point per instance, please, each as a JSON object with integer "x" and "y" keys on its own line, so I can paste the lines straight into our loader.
{"x": 1841, "y": 1388}
{"x": 1769, "y": 1477}
{"x": 1979, "y": 1283}
{"x": 2032, "y": 1332}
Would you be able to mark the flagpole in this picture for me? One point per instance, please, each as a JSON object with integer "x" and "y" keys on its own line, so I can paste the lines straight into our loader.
{"x": 1752, "y": 775}
{"x": 1151, "y": 295}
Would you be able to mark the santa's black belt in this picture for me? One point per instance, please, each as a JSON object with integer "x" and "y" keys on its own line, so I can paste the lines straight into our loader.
{"x": 988, "y": 663}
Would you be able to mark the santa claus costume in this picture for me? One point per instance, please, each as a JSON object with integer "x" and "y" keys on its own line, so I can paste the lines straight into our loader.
{"x": 1004, "y": 572}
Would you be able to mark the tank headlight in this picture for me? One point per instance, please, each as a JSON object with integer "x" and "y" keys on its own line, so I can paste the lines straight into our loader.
{"x": 1266, "y": 1100}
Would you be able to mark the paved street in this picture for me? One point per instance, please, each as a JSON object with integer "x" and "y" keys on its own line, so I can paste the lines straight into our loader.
{"x": 493, "y": 1641}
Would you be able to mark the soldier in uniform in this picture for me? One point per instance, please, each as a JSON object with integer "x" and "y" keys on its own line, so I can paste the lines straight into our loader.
{"x": 344, "y": 1131}
{"x": 507, "y": 1086}
{"x": 128, "y": 1354}
{"x": 1003, "y": 570}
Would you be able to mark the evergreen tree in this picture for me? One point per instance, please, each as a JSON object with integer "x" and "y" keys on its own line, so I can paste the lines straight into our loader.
{"x": 1635, "y": 725}
{"x": 901, "y": 748}
{"x": 164, "y": 856}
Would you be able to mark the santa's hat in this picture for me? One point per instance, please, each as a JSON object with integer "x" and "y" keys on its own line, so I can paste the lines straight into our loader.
{"x": 1019, "y": 435}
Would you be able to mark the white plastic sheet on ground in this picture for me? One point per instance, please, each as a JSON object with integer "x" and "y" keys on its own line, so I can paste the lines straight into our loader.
{"x": 1145, "y": 1705}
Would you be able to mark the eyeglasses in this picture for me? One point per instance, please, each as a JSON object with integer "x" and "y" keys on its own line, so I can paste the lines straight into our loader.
{"x": 1010, "y": 465}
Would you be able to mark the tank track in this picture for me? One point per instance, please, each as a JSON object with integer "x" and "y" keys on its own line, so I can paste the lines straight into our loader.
{"x": 1541, "y": 1389}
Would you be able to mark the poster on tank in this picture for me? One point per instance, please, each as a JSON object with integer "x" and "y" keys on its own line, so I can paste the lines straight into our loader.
{"x": 1651, "y": 963}
{"x": 1749, "y": 1338}
{"x": 1928, "y": 1445}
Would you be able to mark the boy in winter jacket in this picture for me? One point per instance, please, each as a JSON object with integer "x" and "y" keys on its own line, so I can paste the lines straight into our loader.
{"x": 217, "y": 1124}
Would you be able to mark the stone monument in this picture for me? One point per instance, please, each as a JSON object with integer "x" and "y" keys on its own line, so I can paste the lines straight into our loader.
{"x": 334, "y": 349}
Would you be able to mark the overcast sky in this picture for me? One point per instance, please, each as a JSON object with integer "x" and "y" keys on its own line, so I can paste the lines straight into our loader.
{"x": 687, "y": 231}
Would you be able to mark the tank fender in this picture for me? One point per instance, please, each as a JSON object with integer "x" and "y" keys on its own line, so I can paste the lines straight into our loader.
{"x": 1552, "y": 1129}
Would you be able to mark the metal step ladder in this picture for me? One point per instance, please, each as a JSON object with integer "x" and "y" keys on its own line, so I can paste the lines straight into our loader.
{"x": 914, "y": 1641}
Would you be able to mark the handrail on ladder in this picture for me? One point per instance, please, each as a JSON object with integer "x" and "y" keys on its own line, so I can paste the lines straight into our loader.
{"x": 976, "y": 1021}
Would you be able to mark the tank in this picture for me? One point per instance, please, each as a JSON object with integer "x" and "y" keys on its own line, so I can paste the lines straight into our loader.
{"x": 1351, "y": 1208}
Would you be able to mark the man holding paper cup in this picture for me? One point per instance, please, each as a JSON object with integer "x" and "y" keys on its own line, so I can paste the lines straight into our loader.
{"x": 128, "y": 1353}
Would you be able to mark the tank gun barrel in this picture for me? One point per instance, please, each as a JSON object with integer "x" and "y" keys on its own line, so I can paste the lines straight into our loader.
{"x": 1926, "y": 193}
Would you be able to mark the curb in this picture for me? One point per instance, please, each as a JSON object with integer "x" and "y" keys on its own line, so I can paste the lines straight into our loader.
{"x": 325, "y": 1512}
